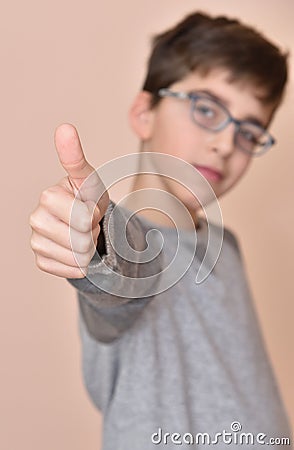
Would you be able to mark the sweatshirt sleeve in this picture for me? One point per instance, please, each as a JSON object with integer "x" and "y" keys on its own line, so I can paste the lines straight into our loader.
{"x": 122, "y": 278}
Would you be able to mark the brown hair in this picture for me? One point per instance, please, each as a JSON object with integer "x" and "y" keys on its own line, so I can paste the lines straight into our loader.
{"x": 202, "y": 43}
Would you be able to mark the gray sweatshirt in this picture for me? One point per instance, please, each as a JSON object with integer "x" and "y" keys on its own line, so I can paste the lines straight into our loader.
{"x": 185, "y": 366}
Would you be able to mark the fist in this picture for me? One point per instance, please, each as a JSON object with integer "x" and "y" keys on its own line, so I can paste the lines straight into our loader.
{"x": 65, "y": 224}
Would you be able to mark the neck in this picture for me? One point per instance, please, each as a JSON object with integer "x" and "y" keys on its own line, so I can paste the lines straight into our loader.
{"x": 149, "y": 197}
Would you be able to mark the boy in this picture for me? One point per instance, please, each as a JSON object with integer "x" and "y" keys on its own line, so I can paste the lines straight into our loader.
{"x": 183, "y": 364}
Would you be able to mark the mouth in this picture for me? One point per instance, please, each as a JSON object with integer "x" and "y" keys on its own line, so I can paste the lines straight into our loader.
{"x": 209, "y": 173}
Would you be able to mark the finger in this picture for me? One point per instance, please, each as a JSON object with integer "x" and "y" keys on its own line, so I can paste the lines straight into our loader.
{"x": 59, "y": 202}
{"x": 57, "y": 268}
{"x": 71, "y": 155}
{"x": 54, "y": 229}
{"x": 45, "y": 247}
{"x": 81, "y": 174}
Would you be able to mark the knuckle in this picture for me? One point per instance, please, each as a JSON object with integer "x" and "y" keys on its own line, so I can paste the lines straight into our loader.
{"x": 85, "y": 222}
{"x": 41, "y": 263}
{"x": 85, "y": 243}
{"x": 45, "y": 197}
{"x": 80, "y": 217}
{"x": 48, "y": 195}
{"x": 35, "y": 222}
{"x": 31, "y": 220}
{"x": 34, "y": 244}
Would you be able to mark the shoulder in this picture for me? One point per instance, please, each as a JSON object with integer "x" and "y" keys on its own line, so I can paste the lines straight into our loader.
{"x": 230, "y": 246}
{"x": 231, "y": 239}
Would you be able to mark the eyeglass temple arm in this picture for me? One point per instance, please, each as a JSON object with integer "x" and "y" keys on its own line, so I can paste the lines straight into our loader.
{"x": 168, "y": 93}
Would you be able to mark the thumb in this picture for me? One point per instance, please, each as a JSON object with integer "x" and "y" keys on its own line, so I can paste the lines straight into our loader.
{"x": 71, "y": 155}
{"x": 73, "y": 160}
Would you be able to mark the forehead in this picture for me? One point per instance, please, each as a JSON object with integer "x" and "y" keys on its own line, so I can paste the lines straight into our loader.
{"x": 241, "y": 97}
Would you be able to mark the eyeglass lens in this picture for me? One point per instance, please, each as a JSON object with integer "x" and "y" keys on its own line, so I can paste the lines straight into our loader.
{"x": 209, "y": 114}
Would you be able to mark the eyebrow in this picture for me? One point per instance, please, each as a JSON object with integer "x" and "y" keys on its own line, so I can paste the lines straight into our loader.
{"x": 251, "y": 119}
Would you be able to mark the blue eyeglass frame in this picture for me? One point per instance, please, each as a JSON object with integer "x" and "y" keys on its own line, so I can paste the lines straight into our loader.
{"x": 165, "y": 92}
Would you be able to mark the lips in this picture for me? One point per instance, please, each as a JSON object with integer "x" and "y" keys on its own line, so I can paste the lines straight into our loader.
{"x": 209, "y": 173}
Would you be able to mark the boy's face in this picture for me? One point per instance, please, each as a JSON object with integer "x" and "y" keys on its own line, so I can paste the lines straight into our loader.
{"x": 169, "y": 129}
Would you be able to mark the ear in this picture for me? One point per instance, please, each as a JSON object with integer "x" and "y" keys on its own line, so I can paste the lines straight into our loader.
{"x": 141, "y": 115}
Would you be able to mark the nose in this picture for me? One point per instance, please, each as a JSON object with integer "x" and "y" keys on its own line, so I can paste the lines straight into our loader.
{"x": 223, "y": 142}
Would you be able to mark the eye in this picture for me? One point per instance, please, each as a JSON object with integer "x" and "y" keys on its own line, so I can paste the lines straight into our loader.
{"x": 209, "y": 114}
{"x": 249, "y": 135}
{"x": 205, "y": 110}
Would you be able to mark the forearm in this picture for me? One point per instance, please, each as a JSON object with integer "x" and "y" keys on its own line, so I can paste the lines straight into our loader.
{"x": 116, "y": 288}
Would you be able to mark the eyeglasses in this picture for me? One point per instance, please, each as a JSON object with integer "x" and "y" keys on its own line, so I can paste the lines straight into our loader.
{"x": 211, "y": 115}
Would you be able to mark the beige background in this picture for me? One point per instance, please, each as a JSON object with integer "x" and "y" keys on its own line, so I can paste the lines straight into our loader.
{"x": 82, "y": 62}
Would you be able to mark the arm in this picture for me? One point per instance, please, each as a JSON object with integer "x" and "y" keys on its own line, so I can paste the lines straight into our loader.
{"x": 65, "y": 230}
{"x": 116, "y": 290}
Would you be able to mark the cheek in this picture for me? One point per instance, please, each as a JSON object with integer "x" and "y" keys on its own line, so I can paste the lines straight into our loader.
{"x": 173, "y": 133}
{"x": 243, "y": 163}
{"x": 238, "y": 167}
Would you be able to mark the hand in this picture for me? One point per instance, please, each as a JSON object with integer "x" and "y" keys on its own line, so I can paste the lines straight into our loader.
{"x": 64, "y": 239}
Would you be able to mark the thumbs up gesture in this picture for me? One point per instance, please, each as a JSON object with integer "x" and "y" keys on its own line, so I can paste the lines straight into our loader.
{"x": 64, "y": 238}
